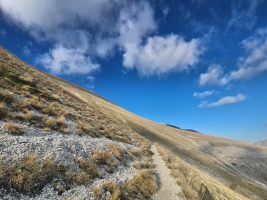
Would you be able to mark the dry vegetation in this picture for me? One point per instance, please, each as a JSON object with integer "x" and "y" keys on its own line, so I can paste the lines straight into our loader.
{"x": 194, "y": 183}
{"x": 29, "y": 97}
{"x": 13, "y": 129}
{"x": 141, "y": 186}
{"x": 30, "y": 174}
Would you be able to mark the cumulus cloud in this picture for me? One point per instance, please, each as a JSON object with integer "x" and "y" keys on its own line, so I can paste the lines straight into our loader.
{"x": 61, "y": 60}
{"x": 58, "y": 22}
{"x": 107, "y": 26}
{"x": 134, "y": 24}
{"x": 252, "y": 63}
{"x": 160, "y": 55}
{"x": 223, "y": 101}
{"x": 203, "y": 94}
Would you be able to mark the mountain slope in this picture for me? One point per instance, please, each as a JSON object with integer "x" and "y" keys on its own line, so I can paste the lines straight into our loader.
{"x": 45, "y": 110}
{"x": 262, "y": 143}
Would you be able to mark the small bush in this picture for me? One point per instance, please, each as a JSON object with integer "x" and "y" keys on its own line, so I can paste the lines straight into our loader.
{"x": 13, "y": 129}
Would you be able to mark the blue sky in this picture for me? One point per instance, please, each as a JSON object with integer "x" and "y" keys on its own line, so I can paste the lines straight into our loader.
{"x": 192, "y": 63}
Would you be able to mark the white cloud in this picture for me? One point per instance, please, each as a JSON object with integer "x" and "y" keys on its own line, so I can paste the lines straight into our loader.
{"x": 223, "y": 101}
{"x": 203, "y": 94}
{"x": 58, "y": 21}
{"x": 254, "y": 61}
{"x": 251, "y": 64}
{"x": 108, "y": 25}
{"x": 213, "y": 76}
{"x": 61, "y": 60}
{"x": 156, "y": 55}
{"x": 135, "y": 23}
{"x": 160, "y": 55}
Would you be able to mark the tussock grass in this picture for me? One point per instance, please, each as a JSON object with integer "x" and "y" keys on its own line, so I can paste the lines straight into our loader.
{"x": 13, "y": 128}
{"x": 27, "y": 175}
{"x": 194, "y": 183}
{"x": 104, "y": 158}
{"x": 89, "y": 167}
{"x": 116, "y": 151}
{"x": 148, "y": 164}
{"x": 6, "y": 96}
{"x": 36, "y": 103}
{"x": 141, "y": 186}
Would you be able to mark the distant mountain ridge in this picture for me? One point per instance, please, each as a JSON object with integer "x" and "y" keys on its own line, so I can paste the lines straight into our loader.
{"x": 262, "y": 143}
{"x": 173, "y": 126}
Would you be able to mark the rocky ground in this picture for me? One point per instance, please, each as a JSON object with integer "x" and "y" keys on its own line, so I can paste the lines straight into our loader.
{"x": 64, "y": 150}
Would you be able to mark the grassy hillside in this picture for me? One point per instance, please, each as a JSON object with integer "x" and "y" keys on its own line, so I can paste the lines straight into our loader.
{"x": 35, "y": 105}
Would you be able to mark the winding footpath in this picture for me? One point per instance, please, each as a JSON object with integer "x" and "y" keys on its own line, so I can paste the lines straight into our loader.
{"x": 169, "y": 190}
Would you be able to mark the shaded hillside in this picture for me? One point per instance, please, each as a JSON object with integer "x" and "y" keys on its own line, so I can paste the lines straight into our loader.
{"x": 96, "y": 148}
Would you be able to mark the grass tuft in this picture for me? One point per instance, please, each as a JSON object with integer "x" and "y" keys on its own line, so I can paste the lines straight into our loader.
{"x": 13, "y": 129}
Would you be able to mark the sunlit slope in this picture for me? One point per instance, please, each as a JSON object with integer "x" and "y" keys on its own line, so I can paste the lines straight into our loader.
{"x": 241, "y": 167}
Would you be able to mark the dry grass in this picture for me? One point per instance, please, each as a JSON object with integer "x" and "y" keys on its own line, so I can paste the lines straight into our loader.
{"x": 3, "y": 110}
{"x": 141, "y": 186}
{"x": 104, "y": 158}
{"x": 116, "y": 151}
{"x": 111, "y": 189}
{"x": 28, "y": 175}
{"x": 144, "y": 165}
{"x": 89, "y": 168}
{"x": 194, "y": 183}
{"x": 6, "y": 96}
{"x": 13, "y": 128}
{"x": 36, "y": 103}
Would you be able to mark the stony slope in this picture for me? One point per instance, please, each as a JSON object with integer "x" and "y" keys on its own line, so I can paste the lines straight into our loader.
{"x": 54, "y": 106}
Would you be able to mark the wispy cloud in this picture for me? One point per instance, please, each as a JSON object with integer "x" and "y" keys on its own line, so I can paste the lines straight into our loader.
{"x": 203, "y": 94}
{"x": 252, "y": 63}
{"x": 224, "y": 101}
{"x": 244, "y": 17}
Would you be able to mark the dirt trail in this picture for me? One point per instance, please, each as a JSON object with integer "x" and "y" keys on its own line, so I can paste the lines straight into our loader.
{"x": 169, "y": 190}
